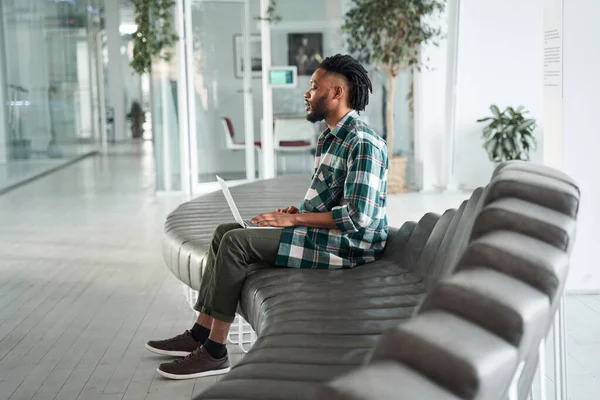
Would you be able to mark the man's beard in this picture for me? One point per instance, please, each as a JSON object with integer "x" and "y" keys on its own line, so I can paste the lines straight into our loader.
{"x": 317, "y": 112}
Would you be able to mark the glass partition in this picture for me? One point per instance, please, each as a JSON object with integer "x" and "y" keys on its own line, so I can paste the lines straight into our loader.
{"x": 226, "y": 94}
{"x": 48, "y": 84}
{"x": 226, "y": 111}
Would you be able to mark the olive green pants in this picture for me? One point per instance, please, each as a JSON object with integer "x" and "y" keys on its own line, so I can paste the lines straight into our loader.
{"x": 233, "y": 254}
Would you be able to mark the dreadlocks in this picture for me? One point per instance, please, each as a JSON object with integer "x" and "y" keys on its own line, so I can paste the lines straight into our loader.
{"x": 357, "y": 77}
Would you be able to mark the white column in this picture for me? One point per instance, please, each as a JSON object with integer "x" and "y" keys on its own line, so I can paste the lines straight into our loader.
{"x": 85, "y": 129}
{"x": 116, "y": 85}
{"x": 101, "y": 91}
{"x": 447, "y": 156}
{"x": 191, "y": 96}
{"x": 268, "y": 151}
{"x": 248, "y": 102}
{"x": 553, "y": 83}
{"x": 3, "y": 96}
{"x": 430, "y": 110}
{"x": 185, "y": 155}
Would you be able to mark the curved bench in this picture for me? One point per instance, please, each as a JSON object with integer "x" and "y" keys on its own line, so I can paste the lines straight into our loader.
{"x": 315, "y": 326}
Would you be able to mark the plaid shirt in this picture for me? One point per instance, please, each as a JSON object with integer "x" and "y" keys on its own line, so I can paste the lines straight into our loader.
{"x": 350, "y": 180}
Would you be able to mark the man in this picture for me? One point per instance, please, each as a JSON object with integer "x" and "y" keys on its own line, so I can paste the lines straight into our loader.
{"x": 341, "y": 222}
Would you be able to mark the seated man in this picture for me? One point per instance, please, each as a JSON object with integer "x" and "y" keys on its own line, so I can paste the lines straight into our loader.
{"x": 341, "y": 223}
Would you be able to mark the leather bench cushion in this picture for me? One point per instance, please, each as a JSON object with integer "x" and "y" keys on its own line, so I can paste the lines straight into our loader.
{"x": 383, "y": 381}
{"x": 535, "y": 188}
{"x": 497, "y": 302}
{"x": 457, "y": 354}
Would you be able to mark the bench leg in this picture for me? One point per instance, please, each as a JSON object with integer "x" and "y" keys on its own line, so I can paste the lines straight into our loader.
{"x": 240, "y": 330}
{"x": 560, "y": 353}
{"x": 538, "y": 387}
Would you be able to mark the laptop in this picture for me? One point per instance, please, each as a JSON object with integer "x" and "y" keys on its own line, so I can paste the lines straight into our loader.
{"x": 234, "y": 210}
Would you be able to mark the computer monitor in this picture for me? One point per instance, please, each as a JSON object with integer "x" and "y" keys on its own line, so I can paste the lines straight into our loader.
{"x": 283, "y": 77}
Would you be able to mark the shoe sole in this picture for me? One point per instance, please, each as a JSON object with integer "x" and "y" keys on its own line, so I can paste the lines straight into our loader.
{"x": 193, "y": 376}
{"x": 167, "y": 352}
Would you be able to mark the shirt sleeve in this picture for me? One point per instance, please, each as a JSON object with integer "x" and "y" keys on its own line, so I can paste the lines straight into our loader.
{"x": 366, "y": 171}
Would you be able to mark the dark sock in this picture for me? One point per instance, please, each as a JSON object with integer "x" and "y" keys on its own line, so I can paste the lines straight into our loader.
{"x": 200, "y": 333}
{"x": 216, "y": 350}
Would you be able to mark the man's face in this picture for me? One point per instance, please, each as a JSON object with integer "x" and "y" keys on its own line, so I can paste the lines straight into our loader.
{"x": 317, "y": 96}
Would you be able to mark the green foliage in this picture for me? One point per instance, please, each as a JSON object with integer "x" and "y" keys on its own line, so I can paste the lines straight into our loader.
{"x": 154, "y": 36}
{"x": 508, "y": 135}
{"x": 389, "y": 33}
{"x": 272, "y": 17}
{"x": 137, "y": 118}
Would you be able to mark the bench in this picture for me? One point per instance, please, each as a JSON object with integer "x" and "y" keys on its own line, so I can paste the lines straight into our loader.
{"x": 317, "y": 329}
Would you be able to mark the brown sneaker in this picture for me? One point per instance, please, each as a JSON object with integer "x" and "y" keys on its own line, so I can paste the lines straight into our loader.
{"x": 196, "y": 365}
{"x": 178, "y": 346}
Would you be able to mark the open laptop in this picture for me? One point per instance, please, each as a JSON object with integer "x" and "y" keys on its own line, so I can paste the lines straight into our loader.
{"x": 234, "y": 210}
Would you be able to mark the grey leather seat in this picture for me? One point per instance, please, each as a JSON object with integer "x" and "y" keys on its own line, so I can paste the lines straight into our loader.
{"x": 492, "y": 271}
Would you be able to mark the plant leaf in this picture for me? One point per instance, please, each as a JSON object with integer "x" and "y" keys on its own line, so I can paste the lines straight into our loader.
{"x": 495, "y": 110}
{"x": 526, "y": 124}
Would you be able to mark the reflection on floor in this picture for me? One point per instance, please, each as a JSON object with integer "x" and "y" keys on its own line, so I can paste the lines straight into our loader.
{"x": 14, "y": 172}
{"x": 83, "y": 287}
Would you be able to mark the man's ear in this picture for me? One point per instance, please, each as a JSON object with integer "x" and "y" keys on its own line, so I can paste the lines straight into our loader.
{"x": 338, "y": 92}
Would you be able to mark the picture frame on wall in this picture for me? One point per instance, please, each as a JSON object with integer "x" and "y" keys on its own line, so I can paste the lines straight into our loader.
{"x": 255, "y": 55}
{"x": 305, "y": 50}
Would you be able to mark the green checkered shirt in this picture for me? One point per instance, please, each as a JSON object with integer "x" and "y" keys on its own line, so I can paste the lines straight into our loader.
{"x": 350, "y": 180}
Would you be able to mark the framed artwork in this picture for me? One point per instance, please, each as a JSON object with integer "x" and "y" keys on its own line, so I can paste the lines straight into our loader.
{"x": 305, "y": 50}
{"x": 255, "y": 55}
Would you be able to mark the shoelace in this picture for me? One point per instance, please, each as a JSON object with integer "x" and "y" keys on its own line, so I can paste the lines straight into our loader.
{"x": 193, "y": 356}
{"x": 181, "y": 336}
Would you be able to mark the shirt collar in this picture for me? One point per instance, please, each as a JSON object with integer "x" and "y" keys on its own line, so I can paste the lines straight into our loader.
{"x": 353, "y": 114}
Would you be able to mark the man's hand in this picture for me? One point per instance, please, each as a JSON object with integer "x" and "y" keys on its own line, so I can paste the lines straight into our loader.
{"x": 277, "y": 219}
{"x": 288, "y": 210}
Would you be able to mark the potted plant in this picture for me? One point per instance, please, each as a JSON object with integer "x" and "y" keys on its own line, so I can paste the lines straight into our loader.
{"x": 154, "y": 36}
{"x": 136, "y": 119}
{"x": 508, "y": 134}
{"x": 389, "y": 34}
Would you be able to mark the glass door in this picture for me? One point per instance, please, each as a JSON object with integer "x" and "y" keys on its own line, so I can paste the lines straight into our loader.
{"x": 224, "y": 71}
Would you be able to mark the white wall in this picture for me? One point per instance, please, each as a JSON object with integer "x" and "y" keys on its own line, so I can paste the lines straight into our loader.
{"x": 581, "y": 137}
{"x": 500, "y": 62}
{"x": 430, "y": 107}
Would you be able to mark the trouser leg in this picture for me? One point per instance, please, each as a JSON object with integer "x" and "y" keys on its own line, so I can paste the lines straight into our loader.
{"x": 210, "y": 257}
{"x": 240, "y": 252}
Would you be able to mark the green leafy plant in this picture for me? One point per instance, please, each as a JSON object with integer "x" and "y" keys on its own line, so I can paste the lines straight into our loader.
{"x": 271, "y": 17}
{"x": 136, "y": 118}
{"x": 389, "y": 34}
{"x": 508, "y": 135}
{"x": 154, "y": 36}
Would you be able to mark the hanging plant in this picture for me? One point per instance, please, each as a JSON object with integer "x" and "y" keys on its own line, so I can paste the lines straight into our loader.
{"x": 272, "y": 17}
{"x": 152, "y": 39}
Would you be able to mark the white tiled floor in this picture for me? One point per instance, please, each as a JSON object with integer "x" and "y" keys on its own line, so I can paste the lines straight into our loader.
{"x": 83, "y": 287}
